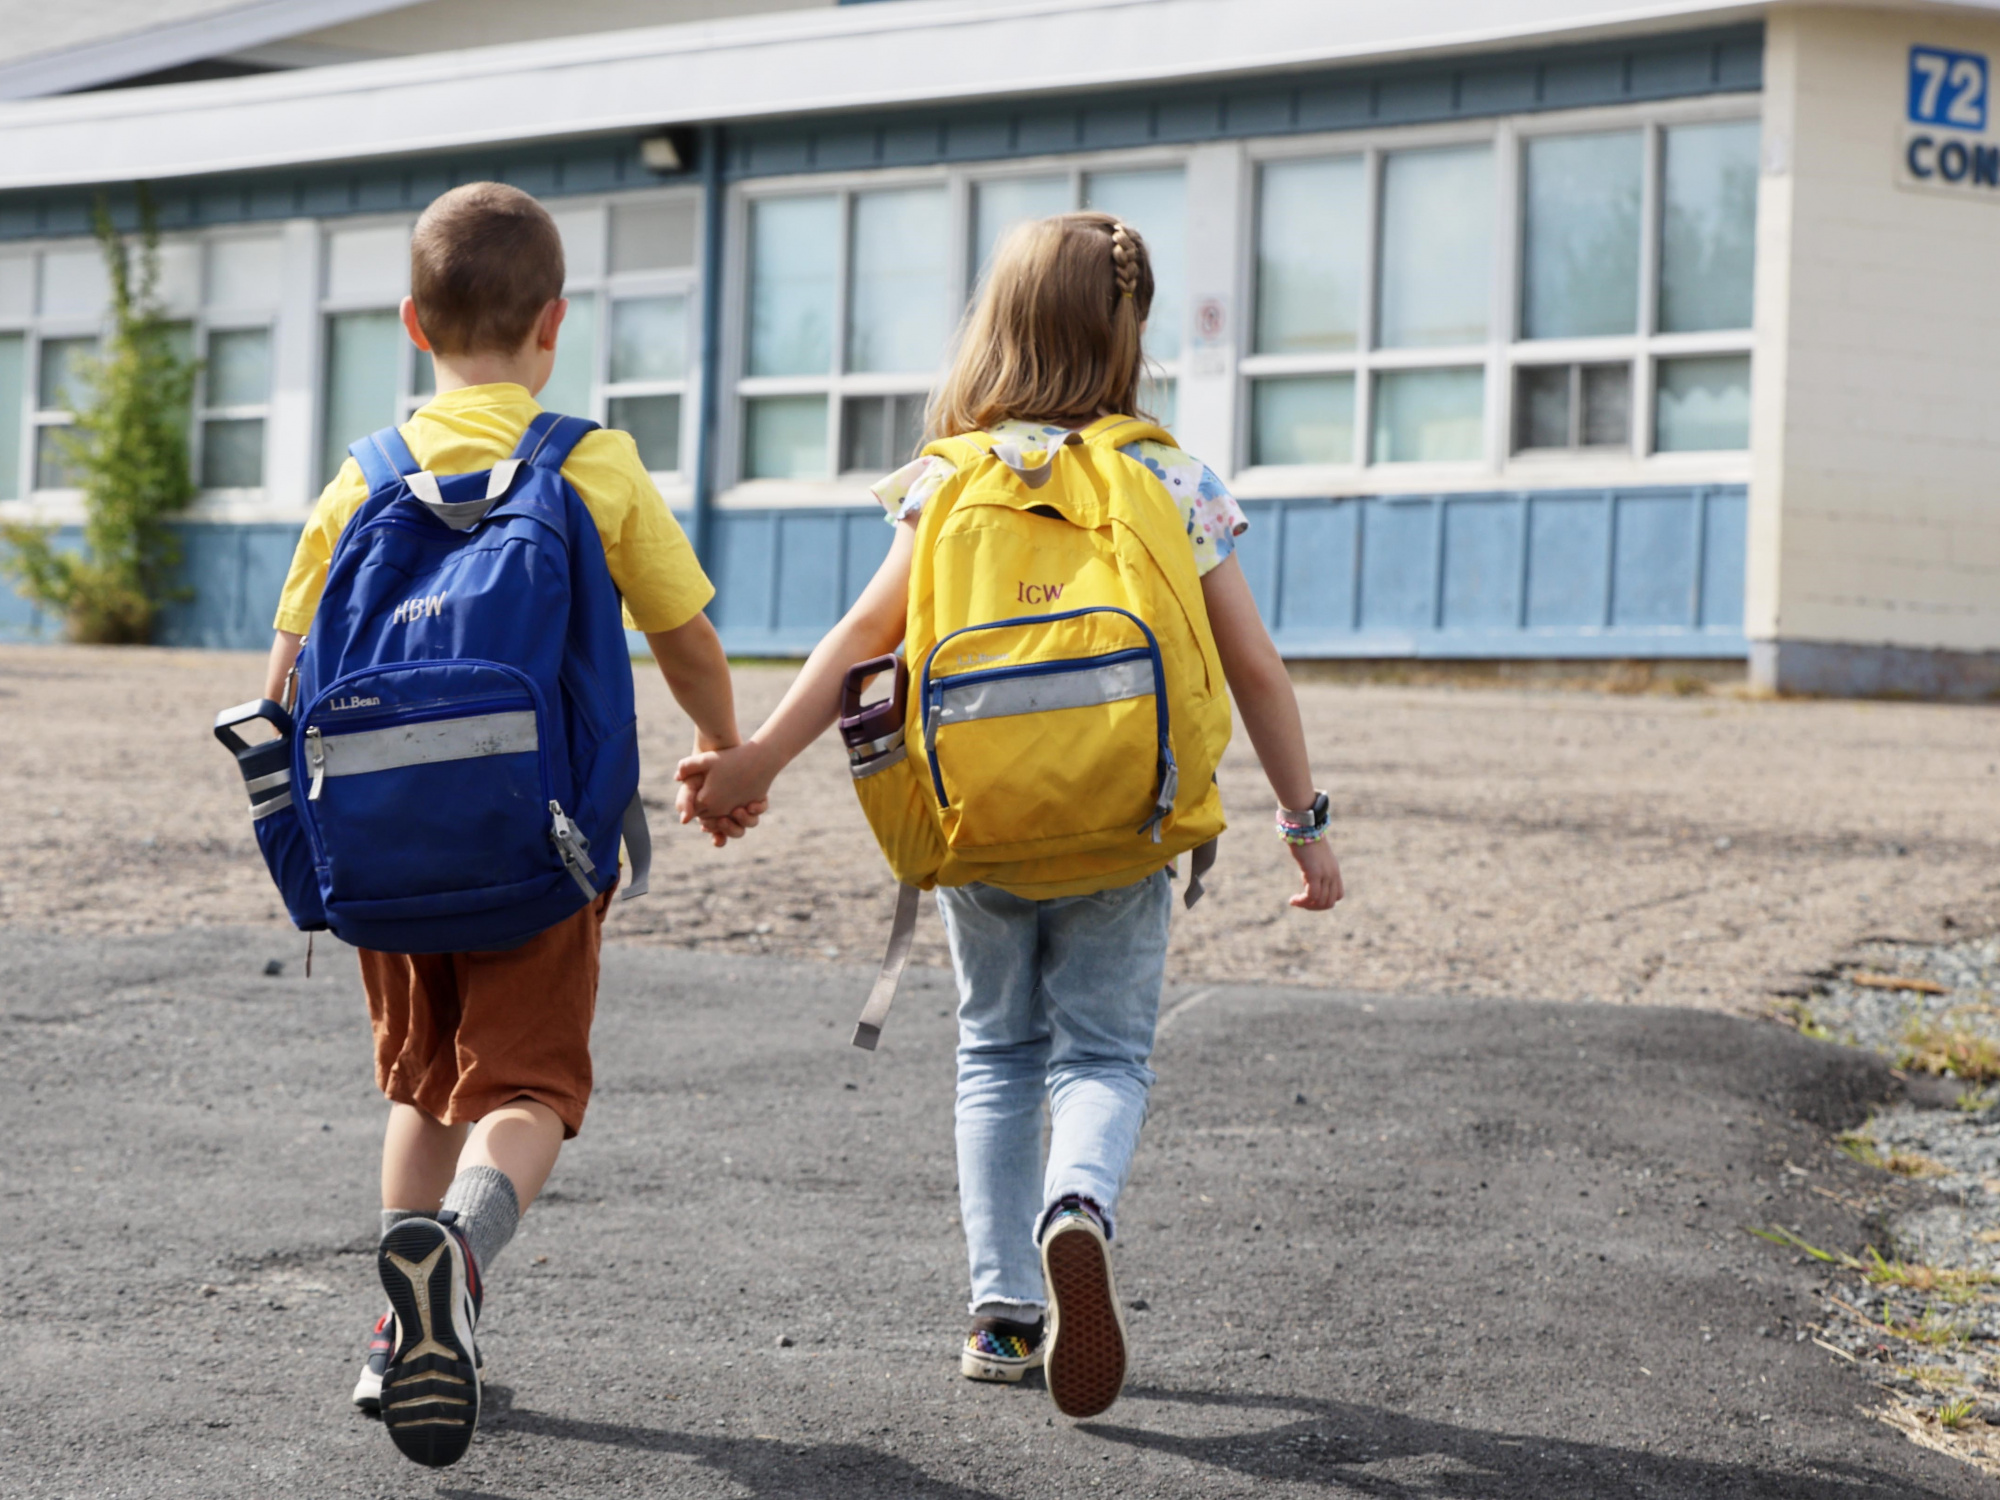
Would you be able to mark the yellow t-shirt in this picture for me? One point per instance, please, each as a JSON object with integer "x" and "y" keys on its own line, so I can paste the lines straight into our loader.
{"x": 463, "y": 431}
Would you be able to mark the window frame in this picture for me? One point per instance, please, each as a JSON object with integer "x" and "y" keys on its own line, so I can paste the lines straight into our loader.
{"x": 959, "y": 180}
{"x": 1505, "y": 350}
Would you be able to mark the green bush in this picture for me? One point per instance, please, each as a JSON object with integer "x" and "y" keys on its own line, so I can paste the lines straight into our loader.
{"x": 129, "y": 451}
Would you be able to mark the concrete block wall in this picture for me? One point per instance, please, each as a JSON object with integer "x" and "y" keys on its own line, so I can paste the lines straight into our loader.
{"x": 1874, "y": 533}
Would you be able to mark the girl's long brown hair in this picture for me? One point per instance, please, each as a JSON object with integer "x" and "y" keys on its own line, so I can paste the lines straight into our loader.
{"x": 1054, "y": 336}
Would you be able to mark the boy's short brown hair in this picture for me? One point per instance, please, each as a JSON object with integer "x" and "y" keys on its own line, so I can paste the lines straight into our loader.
{"x": 485, "y": 259}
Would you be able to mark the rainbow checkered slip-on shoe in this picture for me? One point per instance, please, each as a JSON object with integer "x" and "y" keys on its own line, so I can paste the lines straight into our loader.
{"x": 997, "y": 1349}
{"x": 1085, "y": 1366}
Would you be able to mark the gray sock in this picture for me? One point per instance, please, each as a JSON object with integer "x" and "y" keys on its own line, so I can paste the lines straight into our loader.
{"x": 488, "y": 1209}
{"x": 391, "y": 1217}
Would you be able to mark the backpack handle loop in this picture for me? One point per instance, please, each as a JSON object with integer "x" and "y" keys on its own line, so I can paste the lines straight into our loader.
{"x": 1034, "y": 474}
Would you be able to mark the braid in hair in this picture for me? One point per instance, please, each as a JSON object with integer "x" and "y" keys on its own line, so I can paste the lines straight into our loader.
{"x": 1124, "y": 260}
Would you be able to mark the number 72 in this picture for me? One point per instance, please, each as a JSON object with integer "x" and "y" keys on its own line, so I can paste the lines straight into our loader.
{"x": 1947, "y": 88}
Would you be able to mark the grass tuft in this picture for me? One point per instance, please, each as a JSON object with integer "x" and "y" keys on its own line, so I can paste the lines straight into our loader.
{"x": 1931, "y": 1047}
{"x": 1954, "y": 1412}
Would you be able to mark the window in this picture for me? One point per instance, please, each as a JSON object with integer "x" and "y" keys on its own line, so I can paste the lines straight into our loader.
{"x": 61, "y": 384}
{"x": 850, "y": 310}
{"x": 1374, "y": 328}
{"x": 1703, "y": 404}
{"x": 1580, "y": 252}
{"x": 1572, "y": 406}
{"x": 648, "y": 375}
{"x": 1437, "y": 247}
{"x": 622, "y": 355}
{"x": 852, "y": 295}
{"x": 235, "y": 394}
{"x": 13, "y": 389}
{"x": 1708, "y": 226}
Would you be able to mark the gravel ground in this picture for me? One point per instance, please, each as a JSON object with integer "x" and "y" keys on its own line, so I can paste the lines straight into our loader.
{"x": 1919, "y": 1313}
{"x": 1498, "y": 841}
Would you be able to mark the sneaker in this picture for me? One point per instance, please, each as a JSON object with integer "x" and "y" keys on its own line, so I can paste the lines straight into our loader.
{"x": 368, "y": 1389}
{"x": 430, "y": 1391}
{"x": 1085, "y": 1364}
{"x": 998, "y": 1349}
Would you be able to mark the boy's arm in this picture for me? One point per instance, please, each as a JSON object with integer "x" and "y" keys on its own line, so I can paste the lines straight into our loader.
{"x": 696, "y": 670}
{"x": 871, "y": 628}
{"x": 284, "y": 652}
{"x": 1270, "y": 711}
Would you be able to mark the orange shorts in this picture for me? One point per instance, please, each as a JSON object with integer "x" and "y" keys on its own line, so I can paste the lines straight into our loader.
{"x": 457, "y": 1035}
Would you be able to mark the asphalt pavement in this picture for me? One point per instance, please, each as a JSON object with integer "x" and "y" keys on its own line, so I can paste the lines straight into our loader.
{"x": 1396, "y": 1248}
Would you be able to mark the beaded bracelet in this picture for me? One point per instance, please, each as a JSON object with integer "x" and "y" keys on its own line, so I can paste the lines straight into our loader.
{"x": 1307, "y": 826}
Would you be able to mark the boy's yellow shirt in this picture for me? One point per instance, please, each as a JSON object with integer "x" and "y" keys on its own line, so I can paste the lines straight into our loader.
{"x": 463, "y": 431}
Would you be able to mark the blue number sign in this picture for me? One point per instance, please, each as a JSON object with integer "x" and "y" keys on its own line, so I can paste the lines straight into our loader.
{"x": 1948, "y": 88}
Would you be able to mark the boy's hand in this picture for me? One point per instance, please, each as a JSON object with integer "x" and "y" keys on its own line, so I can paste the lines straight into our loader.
{"x": 1322, "y": 876}
{"x": 717, "y": 782}
{"x": 720, "y": 827}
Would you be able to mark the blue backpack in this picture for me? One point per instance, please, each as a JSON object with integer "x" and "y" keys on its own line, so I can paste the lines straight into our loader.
{"x": 464, "y": 756}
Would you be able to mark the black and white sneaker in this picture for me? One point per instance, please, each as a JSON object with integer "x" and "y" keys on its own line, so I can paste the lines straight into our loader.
{"x": 1085, "y": 1364}
{"x": 381, "y": 1342}
{"x": 430, "y": 1390}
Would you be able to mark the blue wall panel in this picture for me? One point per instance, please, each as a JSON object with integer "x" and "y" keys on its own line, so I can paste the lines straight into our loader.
{"x": 1482, "y": 565}
{"x": 1722, "y": 576}
{"x": 1317, "y": 551}
{"x": 1653, "y": 570}
{"x": 1398, "y": 566}
{"x": 1569, "y": 547}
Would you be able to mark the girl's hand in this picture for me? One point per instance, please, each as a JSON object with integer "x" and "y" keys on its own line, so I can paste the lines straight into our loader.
{"x": 1321, "y": 870}
{"x": 722, "y": 827}
{"x": 716, "y": 783}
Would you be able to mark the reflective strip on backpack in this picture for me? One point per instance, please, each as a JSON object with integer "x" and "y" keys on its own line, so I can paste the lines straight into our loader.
{"x": 426, "y": 744}
{"x": 1045, "y": 692}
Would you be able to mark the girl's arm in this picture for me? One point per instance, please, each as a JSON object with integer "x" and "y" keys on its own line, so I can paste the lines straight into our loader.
{"x": 1270, "y": 713}
{"x": 743, "y": 776}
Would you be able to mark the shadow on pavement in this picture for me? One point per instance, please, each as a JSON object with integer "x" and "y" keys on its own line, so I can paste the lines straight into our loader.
{"x": 1336, "y": 1444}
{"x": 762, "y": 1466}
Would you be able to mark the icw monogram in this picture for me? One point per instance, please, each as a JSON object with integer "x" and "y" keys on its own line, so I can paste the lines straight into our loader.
{"x": 1037, "y": 593}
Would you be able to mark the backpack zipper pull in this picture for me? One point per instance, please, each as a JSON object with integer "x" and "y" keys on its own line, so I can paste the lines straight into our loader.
{"x": 572, "y": 846}
{"x": 316, "y": 760}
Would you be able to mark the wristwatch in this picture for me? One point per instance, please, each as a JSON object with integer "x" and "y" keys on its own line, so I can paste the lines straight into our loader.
{"x": 1306, "y": 825}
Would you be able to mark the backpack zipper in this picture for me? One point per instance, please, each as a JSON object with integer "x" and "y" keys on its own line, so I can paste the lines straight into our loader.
{"x": 316, "y": 759}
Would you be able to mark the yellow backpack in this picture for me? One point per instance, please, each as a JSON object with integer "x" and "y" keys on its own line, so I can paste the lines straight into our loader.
{"x": 1066, "y": 708}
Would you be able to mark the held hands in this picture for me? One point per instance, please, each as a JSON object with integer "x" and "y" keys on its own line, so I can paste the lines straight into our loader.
{"x": 1321, "y": 870}
{"x": 727, "y": 790}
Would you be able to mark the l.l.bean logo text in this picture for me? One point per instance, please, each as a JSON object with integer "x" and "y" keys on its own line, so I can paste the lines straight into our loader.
{"x": 1037, "y": 593}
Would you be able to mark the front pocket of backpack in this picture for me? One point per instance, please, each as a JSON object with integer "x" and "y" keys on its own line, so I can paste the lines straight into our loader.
{"x": 449, "y": 795}
{"x": 1061, "y": 749}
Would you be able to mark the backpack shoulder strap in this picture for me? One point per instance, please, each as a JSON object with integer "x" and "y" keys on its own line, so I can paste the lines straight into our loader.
{"x": 961, "y": 452}
{"x": 1118, "y": 432}
{"x": 549, "y": 438}
{"x": 384, "y": 458}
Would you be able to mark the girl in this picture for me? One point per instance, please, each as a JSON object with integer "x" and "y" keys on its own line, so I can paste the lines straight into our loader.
{"x": 1058, "y": 997}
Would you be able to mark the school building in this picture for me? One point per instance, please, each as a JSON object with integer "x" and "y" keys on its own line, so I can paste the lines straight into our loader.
{"x": 1554, "y": 329}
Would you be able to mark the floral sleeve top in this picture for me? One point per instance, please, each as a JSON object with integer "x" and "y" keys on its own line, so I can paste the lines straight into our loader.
{"x": 1214, "y": 519}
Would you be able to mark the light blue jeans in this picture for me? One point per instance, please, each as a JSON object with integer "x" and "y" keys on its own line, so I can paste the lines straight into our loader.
{"x": 1058, "y": 999}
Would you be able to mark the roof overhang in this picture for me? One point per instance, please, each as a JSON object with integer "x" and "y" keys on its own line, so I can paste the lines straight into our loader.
{"x": 168, "y": 44}
{"x": 800, "y": 62}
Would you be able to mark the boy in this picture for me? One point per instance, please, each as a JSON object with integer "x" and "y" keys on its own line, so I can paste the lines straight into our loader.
{"x": 485, "y": 1057}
